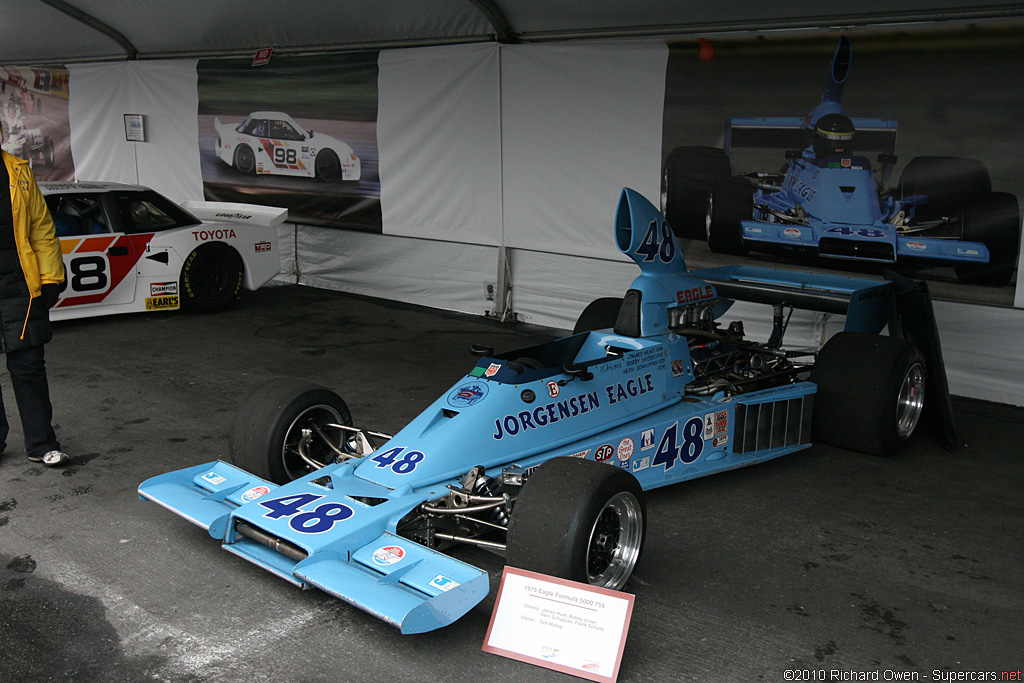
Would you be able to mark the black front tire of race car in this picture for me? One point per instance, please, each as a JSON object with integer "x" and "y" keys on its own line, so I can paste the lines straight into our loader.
{"x": 687, "y": 178}
{"x": 579, "y": 520}
{"x": 947, "y": 182}
{"x": 268, "y": 428}
{"x": 244, "y": 160}
{"x": 730, "y": 203}
{"x": 211, "y": 278}
{"x": 871, "y": 392}
{"x": 994, "y": 221}
{"x": 328, "y": 167}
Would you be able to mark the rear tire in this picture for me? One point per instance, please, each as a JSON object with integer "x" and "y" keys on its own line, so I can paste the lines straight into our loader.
{"x": 211, "y": 278}
{"x": 948, "y": 182}
{"x": 579, "y": 520}
{"x": 268, "y": 426}
{"x": 870, "y": 392}
{"x": 995, "y": 222}
{"x": 244, "y": 160}
{"x": 689, "y": 174}
{"x": 731, "y": 202}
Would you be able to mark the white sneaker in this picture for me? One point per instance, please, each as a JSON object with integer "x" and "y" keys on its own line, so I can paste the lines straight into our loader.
{"x": 52, "y": 458}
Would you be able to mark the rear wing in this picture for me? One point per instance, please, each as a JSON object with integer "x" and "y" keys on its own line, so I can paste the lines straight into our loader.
{"x": 791, "y": 132}
{"x": 230, "y": 212}
{"x": 867, "y": 304}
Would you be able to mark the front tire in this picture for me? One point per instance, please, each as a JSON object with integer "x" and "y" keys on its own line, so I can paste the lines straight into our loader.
{"x": 211, "y": 278}
{"x": 731, "y": 202}
{"x": 268, "y": 428}
{"x": 870, "y": 392}
{"x": 995, "y": 222}
{"x": 579, "y": 520}
{"x": 947, "y": 182}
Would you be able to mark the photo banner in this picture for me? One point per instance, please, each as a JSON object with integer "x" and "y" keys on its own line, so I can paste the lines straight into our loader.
{"x": 299, "y": 133}
{"x": 34, "y": 115}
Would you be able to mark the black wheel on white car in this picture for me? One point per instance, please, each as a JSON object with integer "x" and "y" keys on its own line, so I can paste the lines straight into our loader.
{"x": 871, "y": 392}
{"x": 579, "y": 520}
{"x": 279, "y": 418}
{"x": 328, "y": 166}
{"x": 211, "y": 278}
{"x": 245, "y": 160}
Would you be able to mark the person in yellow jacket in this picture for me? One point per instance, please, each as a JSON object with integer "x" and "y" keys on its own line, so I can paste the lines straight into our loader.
{"x": 31, "y": 272}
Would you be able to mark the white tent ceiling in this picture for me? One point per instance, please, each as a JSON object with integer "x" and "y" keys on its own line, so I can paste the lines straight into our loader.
{"x": 61, "y": 31}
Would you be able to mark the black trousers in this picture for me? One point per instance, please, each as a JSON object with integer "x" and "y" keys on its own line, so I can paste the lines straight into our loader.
{"x": 32, "y": 393}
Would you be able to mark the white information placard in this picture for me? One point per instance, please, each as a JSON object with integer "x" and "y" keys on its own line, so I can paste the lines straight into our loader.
{"x": 563, "y": 625}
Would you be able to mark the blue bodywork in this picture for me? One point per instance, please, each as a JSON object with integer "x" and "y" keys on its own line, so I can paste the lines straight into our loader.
{"x": 837, "y": 206}
{"x": 644, "y": 396}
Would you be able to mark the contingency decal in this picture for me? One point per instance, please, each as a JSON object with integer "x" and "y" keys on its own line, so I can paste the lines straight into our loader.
{"x": 316, "y": 521}
{"x": 625, "y": 449}
{"x": 467, "y": 394}
{"x": 399, "y": 465}
{"x": 254, "y": 493}
{"x": 161, "y": 303}
{"x": 604, "y": 453}
{"x": 389, "y": 554}
{"x": 443, "y": 583}
{"x": 213, "y": 478}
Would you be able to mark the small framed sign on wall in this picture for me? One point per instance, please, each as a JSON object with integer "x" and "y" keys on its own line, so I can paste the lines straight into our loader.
{"x": 134, "y": 128}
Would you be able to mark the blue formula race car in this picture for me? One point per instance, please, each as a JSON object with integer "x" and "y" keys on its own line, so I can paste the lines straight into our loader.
{"x": 829, "y": 201}
{"x": 544, "y": 453}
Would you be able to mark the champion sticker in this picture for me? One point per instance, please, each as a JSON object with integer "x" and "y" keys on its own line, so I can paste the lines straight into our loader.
{"x": 625, "y": 450}
{"x": 162, "y": 288}
{"x": 604, "y": 453}
{"x": 443, "y": 583}
{"x": 389, "y": 554}
{"x": 492, "y": 370}
{"x": 213, "y": 478}
{"x": 254, "y": 493}
{"x": 916, "y": 246}
{"x": 467, "y": 394}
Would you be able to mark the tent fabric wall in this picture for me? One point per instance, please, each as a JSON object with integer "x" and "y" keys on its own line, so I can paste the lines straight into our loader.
{"x": 165, "y": 93}
{"x": 563, "y": 255}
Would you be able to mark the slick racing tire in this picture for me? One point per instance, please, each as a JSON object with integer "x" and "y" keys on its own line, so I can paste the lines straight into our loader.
{"x": 269, "y": 428}
{"x": 244, "y": 160}
{"x": 600, "y": 314}
{"x": 870, "y": 392}
{"x": 994, "y": 221}
{"x": 579, "y": 520}
{"x": 328, "y": 167}
{"x": 211, "y": 278}
{"x": 947, "y": 182}
{"x": 730, "y": 203}
{"x": 687, "y": 179}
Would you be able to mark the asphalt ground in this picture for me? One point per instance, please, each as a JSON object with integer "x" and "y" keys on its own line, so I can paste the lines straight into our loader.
{"x": 826, "y": 563}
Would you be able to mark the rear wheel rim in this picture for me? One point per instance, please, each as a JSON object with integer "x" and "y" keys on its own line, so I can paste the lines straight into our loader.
{"x": 910, "y": 402}
{"x": 615, "y": 540}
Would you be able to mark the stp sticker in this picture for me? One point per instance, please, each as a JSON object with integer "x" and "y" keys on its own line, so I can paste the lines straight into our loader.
{"x": 604, "y": 453}
{"x": 254, "y": 493}
{"x": 625, "y": 450}
{"x": 389, "y": 554}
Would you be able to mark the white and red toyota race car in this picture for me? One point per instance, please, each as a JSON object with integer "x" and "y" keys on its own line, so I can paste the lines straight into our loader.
{"x": 271, "y": 142}
{"x": 129, "y": 249}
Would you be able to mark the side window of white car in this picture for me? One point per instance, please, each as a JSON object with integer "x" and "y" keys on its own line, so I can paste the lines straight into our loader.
{"x": 77, "y": 214}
